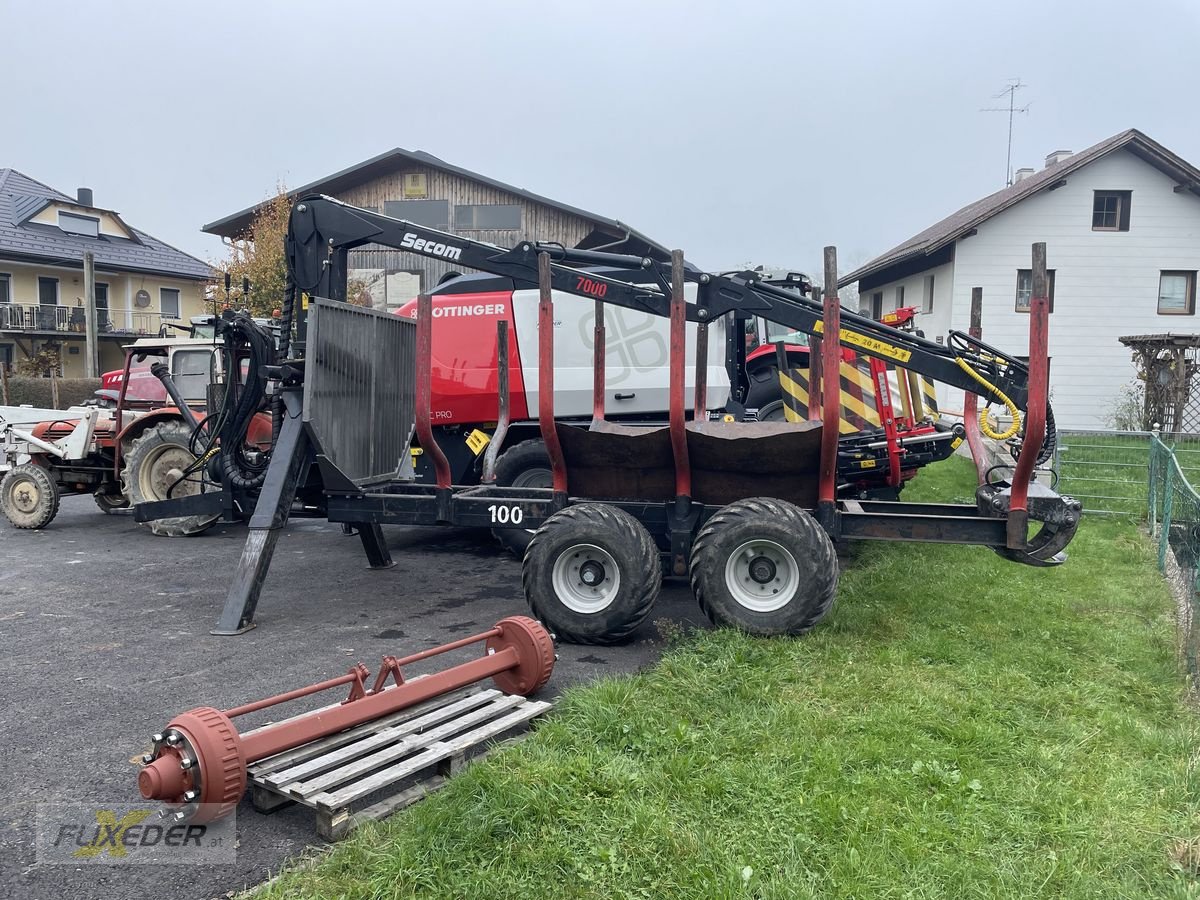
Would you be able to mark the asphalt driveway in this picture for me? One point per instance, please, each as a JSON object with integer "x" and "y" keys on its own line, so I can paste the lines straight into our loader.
{"x": 104, "y": 637}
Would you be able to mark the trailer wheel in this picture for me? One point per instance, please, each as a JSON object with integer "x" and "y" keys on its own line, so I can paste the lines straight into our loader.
{"x": 591, "y": 573}
{"x": 764, "y": 566}
{"x": 29, "y": 496}
{"x": 526, "y": 464}
{"x": 155, "y": 460}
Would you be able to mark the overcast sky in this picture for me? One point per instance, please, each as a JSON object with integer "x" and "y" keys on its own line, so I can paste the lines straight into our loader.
{"x": 739, "y": 131}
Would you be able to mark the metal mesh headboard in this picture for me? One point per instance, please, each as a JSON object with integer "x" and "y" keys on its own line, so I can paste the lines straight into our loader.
{"x": 359, "y": 386}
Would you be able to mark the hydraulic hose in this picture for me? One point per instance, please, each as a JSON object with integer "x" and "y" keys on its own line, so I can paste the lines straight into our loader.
{"x": 985, "y": 424}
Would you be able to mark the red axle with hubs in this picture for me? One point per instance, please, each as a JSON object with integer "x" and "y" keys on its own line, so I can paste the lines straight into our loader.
{"x": 198, "y": 762}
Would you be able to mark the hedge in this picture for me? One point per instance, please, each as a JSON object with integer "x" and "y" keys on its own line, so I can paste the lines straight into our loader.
{"x": 24, "y": 389}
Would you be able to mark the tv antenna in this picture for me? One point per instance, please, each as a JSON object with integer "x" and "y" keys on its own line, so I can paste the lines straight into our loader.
{"x": 1014, "y": 85}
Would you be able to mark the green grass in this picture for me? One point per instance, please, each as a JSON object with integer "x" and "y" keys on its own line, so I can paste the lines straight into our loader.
{"x": 959, "y": 727}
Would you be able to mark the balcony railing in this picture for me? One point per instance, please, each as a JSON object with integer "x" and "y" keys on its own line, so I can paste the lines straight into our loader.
{"x": 34, "y": 317}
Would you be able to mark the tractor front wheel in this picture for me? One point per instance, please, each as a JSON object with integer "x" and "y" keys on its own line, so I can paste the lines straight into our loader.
{"x": 154, "y": 470}
{"x": 591, "y": 573}
{"x": 764, "y": 566}
{"x": 29, "y": 496}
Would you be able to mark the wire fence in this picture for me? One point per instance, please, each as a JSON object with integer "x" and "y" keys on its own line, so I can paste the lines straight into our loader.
{"x": 1105, "y": 470}
{"x": 1174, "y": 521}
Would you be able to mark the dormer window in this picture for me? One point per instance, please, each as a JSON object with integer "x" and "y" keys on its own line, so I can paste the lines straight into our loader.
{"x": 73, "y": 223}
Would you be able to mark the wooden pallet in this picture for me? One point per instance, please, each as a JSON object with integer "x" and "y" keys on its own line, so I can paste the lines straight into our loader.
{"x": 400, "y": 758}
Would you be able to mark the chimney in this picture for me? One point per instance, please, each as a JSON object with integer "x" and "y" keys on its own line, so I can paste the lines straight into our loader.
{"x": 1022, "y": 174}
{"x": 85, "y": 196}
{"x": 1056, "y": 157}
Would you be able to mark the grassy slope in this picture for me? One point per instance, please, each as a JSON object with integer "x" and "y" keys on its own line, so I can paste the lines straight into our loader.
{"x": 959, "y": 727}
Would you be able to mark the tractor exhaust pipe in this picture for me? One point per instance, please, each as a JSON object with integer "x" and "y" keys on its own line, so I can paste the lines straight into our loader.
{"x": 198, "y": 762}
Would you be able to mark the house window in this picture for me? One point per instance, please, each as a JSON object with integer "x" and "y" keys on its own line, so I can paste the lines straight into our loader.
{"x": 1110, "y": 211}
{"x": 168, "y": 302}
{"x": 1025, "y": 288}
{"x": 101, "y": 306}
{"x": 877, "y": 305}
{"x": 1176, "y": 293}
{"x": 5, "y": 287}
{"x": 430, "y": 213}
{"x": 927, "y": 295}
{"x": 495, "y": 216}
{"x": 899, "y": 296}
{"x": 47, "y": 291}
{"x": 88, "y": 226}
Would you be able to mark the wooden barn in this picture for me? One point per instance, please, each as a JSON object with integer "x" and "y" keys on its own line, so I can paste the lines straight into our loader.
{"x": 419, "y": 187}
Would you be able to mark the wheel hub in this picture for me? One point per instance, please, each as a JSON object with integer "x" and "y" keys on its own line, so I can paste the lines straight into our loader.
{"x": 762, "y": 570}
{"x": 762, "y": 575}
{"x": 591, "y": 573}
{"x": 586, "y": 578}
{"x": 25, "y": 496}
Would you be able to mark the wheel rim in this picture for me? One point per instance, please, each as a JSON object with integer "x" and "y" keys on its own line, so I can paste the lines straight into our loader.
{"x": 586, "y": 579}
{"x": 762, "y": 575}
{"x": 161, "y": 468}
{"x": 24, "y": 495}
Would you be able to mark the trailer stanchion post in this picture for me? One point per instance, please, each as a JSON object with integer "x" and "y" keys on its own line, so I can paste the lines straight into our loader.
{"x": 429, "y": 444}
{"x": 558, "y": 467}
{"x": 700, "y": 411}
{"x": 502, "y": 412}
{"x": 683, "y": 471}
{"x": 1035, "y": 412}
{"x": 970, "y": 398}
{"x": 599, "y": 349}
{"x": 831, "y": 399}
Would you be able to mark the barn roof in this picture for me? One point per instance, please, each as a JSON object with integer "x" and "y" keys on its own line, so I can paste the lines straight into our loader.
{"x": 238, "y": 224}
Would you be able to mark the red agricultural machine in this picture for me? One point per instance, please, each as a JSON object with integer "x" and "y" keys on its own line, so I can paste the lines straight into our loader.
{"x": 749, "y": 511}
{"x": 131, "y": 446}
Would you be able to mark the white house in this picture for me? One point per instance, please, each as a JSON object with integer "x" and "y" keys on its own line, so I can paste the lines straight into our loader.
{"x": 1121, "y": 222}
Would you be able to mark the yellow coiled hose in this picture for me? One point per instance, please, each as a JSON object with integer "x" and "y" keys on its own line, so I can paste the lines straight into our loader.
{"x": 985, "y": 424}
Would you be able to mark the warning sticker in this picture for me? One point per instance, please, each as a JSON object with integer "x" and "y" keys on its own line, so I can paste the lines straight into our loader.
{"x": 870, "y": 344}
{"x": 477, "y": 440}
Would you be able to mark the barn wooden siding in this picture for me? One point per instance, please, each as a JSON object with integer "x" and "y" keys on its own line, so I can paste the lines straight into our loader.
{"x": 538, "y": 222}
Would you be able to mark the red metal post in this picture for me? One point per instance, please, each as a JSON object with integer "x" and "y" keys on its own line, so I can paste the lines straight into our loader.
{"x": 425, "y": 436}
{"x": 1035, "y": 412}
{"x": 546, "y": 422}
{"x": 887, "y": 417}
{"x": 683, "y": 469}
{"x": 970, "y": 398}
{"x": 831, "y": 390}
{"x": 599, "y": 350}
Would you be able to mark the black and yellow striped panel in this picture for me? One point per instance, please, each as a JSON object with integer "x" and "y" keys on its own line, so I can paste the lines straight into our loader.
{"x": 858, "y": 412}
{"x": 929, "y": 393}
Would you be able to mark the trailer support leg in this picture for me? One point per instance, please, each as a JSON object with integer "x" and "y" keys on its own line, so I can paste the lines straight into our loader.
{"x": 270, "y": 515}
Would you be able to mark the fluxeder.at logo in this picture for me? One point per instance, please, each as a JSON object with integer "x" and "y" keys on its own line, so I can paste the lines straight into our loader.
{"x": 71, "y": 834}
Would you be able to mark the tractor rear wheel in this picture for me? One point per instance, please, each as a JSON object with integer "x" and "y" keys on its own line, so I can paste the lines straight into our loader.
{"x": 764, "y": 566}
{"x": 526, "y": 464}
{"x": 591, "y": 573}
{"x": 29, "y": 496}
{"x": 154, "y": 467}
